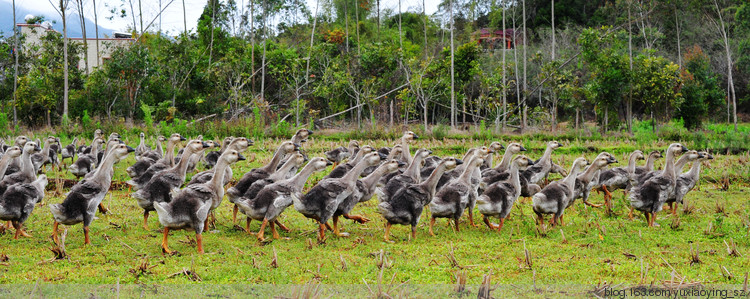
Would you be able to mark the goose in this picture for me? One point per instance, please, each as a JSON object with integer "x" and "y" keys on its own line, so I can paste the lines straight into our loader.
{"x": 142, "y": 147}
{"x": 145, "y": 160}
{"x": 194, "y": 159}
{"x": 448, "y": 176}
{"x": 405, "y": 207}
{"x": 43, "y": 157}
{"x": 494, "y": 148}
{"x": 687, "y": 181}
{"x": 405, "y": 140}
{"x": 590, "y": 177}
{"x": 451, "y": 201}
{"x": 299, "y": 137}
{"x": 686, "y": 158}
{"x": 27, "y": 173}
{"x": 274, "y": 198}
{"x": 365, "y": 188}
{"x": 154, "y": 154}
{"x": 618, "y": 178}
{"x": 190, "y": 206}
{"x": 18, "y": 201}
{"x": 15, "y": 164}
{"x": 251, "y": 176}
{"x": 498, "y": 198}
{"x": 321, "y": 202}
{"x": 650, "y": 196}
{"x": 558, "y": 195}
{"x": 212, "y": 157}
{"x": 500, "y": 172}
{"x": 343, "y": 169}
{"x": 395, "y": 181}
{"x": 239, "y": 144}
{"x": 86, "y": 162}
{"x": 81, "y": 202}
{"x": 163, "y": 183}
{"x": 83, "y": 149}
{"x": 389, "y": 153}
{"x": 165, "y": 162}
{"x": 10, "y": 154}
{"x": 649, "y": 167}
{"x": 295, "y": 160}
{"x": 178, "y": 157}
{"x": 541, "y": 167}
{"x": 69, "y": 151}
{"x": 341, "y": 153}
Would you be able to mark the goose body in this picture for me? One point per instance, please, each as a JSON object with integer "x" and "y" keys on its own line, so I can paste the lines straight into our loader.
{"x": 19, "y": 200}
{"x": 687, "y": 181}
{"x": 451, "y": 201}
{"x": 239, "y": 144}
{"x": 395, "y": 181}
{"x": 498, "y": 198}
{"x": 166, "y": 162}
{"x": 558, "y": 195}
{"x": 654, "y": 192}
{"x": 542, "y": 167}
{"x": 27, "y": 174}
{"x": 343, "y": 169}
{"x": 589, "y": 178}
{"x": 501, "y": 171}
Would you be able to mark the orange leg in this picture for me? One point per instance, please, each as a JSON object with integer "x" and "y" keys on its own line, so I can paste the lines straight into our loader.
{"x": 562, "y": 223}
{"x": 19, "y": 230}
{"x": 322, "y": 232}
{"x": 86, "y": 235}
{"x": 471, "y": 219}
{"x": 199, "y": 242}
{"x": 336, "y": 225}
{"x": 281, "y": 226}
{"x": 145, "y": 220}
{"x": 261, "y": 232}
{"x": 414, "y": 232}
{"x": 674, "y": 208}
{"x": 247, "y": 225}
{"x": 164, "y": 246}
{"x": 387, "y": 234}
{"x": 54, "y": 232}
{"x": 357, "y": 218}
{"x": 273, "y": 230}
{"x": 432, "y": 223}
{"x": 648, "y": 218}
{"x": 456, "y": 224}
{"x": 487, "y": 222}
{"x": 630, "y": 214}
{"x": 502, "y": 222}
{"x": 234, "y": 214}
{"x": 103, "y": 209}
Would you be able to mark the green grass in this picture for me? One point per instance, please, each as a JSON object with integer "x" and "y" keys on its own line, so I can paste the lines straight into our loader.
{"x": 595, "y": 248}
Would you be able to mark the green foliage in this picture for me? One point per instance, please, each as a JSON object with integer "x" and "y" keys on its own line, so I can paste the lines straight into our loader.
{"x": 701, "y": 91}
{"x": 4, "y": 124}
{"x": 147, "y": 119}
{"x": 86, "y": 120}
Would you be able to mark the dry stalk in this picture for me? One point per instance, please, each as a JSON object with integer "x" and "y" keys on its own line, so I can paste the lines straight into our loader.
{"x": 675, "y": 225}
{"x": 343, "y": 263}
{"x": 731, "y": 248}
{"x": 527, "y": 255}
{"x": 694, "y": 255}
{"x": 564, "y": 240}
{"x": 725, "y": 272}
{"x": 460, "y": 286}
{"x": 383, "y": 261}
{"x": 486, "y": 288}
{"x": 274, "y": 260}
{"x": 59, "y": 248}
{"x": 309, "y": 290}
{"x": 452, "y": 258}
{"x": 142, "y": 269}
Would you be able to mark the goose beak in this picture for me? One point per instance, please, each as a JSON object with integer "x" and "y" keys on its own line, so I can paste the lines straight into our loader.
{"x": 459, "y": 162}
{"x": 401, "y": 164}
{"x": 588, "y": 163}
{"x": 710, "y": 156}
{"x": 382, "y": 156}
{"x": 502, "y": 146}
{"x": 37, "y": 149}
{"x": 523, "y": 149}
{"x": 416, "y": 136}
{"x": 429, "y": 152}
{"x": 531, "y": 163}
{"x": 130, "y": 149}
{"x": 120, "y": 142}
{"x": 684, "y": 149}
{"x": 296, "y": 146}
{"x": 310, "y": 132}
{"x": 240, "y": 157}
{"x": 329, "y": 163}
{"x": 182, "y": 138}
{"x": 612, "y": 160}
{"x": 205, "y": 145}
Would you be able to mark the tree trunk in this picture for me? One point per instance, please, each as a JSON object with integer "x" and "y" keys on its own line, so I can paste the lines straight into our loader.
{"x": 525, "y": 86}
{"x": 578, "y": 111}
{"x": 730, "y": 81}
{"x": 677, "y": 27}
{"x": 65, "y": 61}
{"x": 83, "y": 33}
{"x": 629, "y": 104}
{"x": 424, "y": 22}
{"x": 184, "y": 18}
{"x": 346, "y": 23}
{"x": 453, "y": 79}
{"x": 96, "y": 31}
{"x": 518, "y": 82}
{"x": 424, "y": 112}
{"x": 400, "y": 33}
{"x": 263, "y": 60}
{"x": 505, "y": 88}
{"x": 309, "y": 52}
{"x": 140, "y": 15}
{"x": 356, "y": 17}
{"x": 15, "y": 66}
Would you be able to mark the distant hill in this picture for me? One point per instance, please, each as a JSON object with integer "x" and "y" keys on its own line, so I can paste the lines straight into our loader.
{"x": 74, "y": 25}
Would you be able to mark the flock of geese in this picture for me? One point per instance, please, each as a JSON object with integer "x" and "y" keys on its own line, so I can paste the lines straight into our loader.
{"x": 404, "y": 183}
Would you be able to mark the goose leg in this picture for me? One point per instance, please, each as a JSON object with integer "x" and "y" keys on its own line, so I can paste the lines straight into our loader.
{"x": 164, "y": 246}
{"x": 199, "y": 242}
{"x": 456, "y": 224}
{"x": 630, "y": 214}
{"x": 103, "y": 209}
{"x": 54, "y": 232}
{"x": 432, "y": 223}
{"x": 247, "y": 225}
{"x": 502, "y": 222}
{"x": 471, "y": 219}
{"x": 387, "y": 234}
{"x": 234, "y": 214}
{"x": 86, "y": 235}
{"x": 273, "y": 230}
{"x": 648, "y": 220}
{"x": 562, "y": 223}
{"x": 357, "y": 218}
{"x": 487, "y": 222}
{"x": 281, "y": 226}
{"x": 261, "y": 232}
{"x": 145, "y": 220}
{"x": 336, "y": 225}
{"x": 328, "y": 226}
{"x": 413, "y": 232}
{"x": 673, "y": 207}
{"x": 20, "y": 231}
{"x": 322, "y": 232}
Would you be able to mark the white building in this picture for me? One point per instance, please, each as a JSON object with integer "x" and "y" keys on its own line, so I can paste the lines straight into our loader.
{"x": 34, "y": 33}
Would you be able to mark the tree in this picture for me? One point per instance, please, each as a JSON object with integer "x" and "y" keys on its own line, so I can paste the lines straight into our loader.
{"x": 700, "y": 91}
{"x": 130, "y": 67}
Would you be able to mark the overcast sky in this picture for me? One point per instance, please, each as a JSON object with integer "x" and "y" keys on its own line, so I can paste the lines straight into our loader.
{"x": 172, "y": 18}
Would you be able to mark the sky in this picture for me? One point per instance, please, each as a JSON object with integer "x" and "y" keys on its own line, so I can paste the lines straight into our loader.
{"x": 172, "y": 18}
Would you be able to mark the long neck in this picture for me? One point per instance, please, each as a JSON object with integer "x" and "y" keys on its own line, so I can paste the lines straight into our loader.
{"x": 468, "y": 170}
{"x": 681, "y": 162}
{"x": 47, "y": 148}
{"x": 669, "y": 165}
{"x": 4, "y": 163}
{"x": 506, "y": 160}
{"x": 375, "y": 176}
{"x": 217, "y": 181}
{"x": 95, "y": 149}
{"x": 159, "y": 148}
{"x": 299, "y": 179}
{"x": 695, "y": 170}
{"x": 431, "y": 182}
{"x": 413, "y": 170}
{"x": 170, "y": 153}
{"x": 26, "y": 165}
{"x": 589, "y": 173}
{"x": 547, "y": 154}
{"x": 570, "y": 180}
{"x": 104, "y": 169}
{"x": 650, "y": 162}
{"x": 283, "y": 171}
{"x": 514, "y": 176}
{"x": 631, "y": 163}
{"x": 277, "y": 156}
{"x": 184, "y": 161}
{"x": 488, "y": 161}
{"x": 353, "y": 174}
{"x": 358, "y": 157}
{"x": 406, "y": 153}
{"x": 143, "y": 141}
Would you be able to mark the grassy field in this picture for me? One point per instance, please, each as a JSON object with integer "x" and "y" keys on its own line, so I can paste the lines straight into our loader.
{"x": 592, "y": 248}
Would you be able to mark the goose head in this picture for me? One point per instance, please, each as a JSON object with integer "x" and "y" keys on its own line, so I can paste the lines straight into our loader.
{"x": 13, "y": 152}
{"x": 373, "y": 158}
{"x": 301, "y": 135}
{"x": 676, "y": 149}
{"x": 98, "y": 133}
{"x": 287, "y": 147}
{"x": 602, "y": 160}
{"x": 523, "y": 162}
{"x": 31, "y": 148}
{"x": 113, "y": 136}
{"x": 638, "y": 155}
{"x": 227, "y": 141}
{"x": 483, "y": 152}
{"x": 515, "y": 148}
{"x": 580, "y": 163}
{"x": 607, "y": 156}
{"x": 196, "y": 145}
{"x": 142, "y": 135}
{"x": 161, "y": 138}
{"x": 396, "y": 151}
{"x": 392, "y": 165}
{"x": 706, "y": 156}
{"x": 554, "y": 145}
{"x": 451, "y": 163}
{"x": 409, "y": 136}
{"x": 231, "y": 156}
{"x": 120, "y": 151}
{"x": 21, "y": 141}
{"x": 98, "y": 142}
{"x": 240, "y": 144}
{"x": 693, "y": 155}
{"x": 297, "y": 159}
{"x": 366, "y": 149}
{"x": 176, "y": 138}
{"x": 655, "y": 155}
{"x": 319, "y": 163}
{"x": 353, "y": 145}
{"x": 496, "y": 147}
